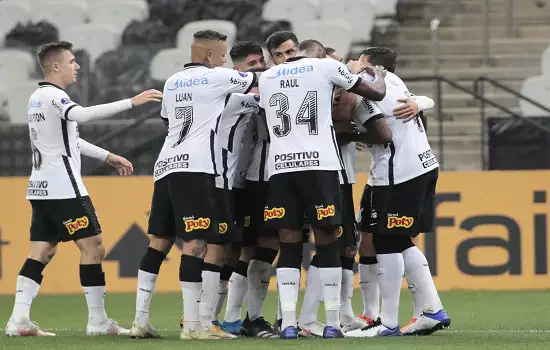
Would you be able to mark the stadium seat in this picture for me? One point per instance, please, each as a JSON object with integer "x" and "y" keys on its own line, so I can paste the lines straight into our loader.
{"x": 359, "y": 13}
{"x": 167, "y": 62}
{"x": 185, "y": 34}
{"x": 117, "y": 13}
{"x": 15, "y": 65}
{"x": 93, "y": 38}
{"x": 63, "y": 14}
{"x": 12, "y": 13}
{"x": 17, "y": 98}
{"x": 538, "y": 89}
{"x": 294, "y": 11}
{"x": 385, "y": 7}
{"x": 545, "y": 62}
{"x": 332, "y": 33}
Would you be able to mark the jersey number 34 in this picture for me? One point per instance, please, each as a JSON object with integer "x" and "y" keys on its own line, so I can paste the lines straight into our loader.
{"x": 307, "y": 114}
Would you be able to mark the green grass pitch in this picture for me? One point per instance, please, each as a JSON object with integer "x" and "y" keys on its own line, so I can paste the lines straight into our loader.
{"x": 480, "y": 320}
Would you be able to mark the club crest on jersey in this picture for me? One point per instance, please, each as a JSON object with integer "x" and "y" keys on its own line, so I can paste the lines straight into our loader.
{"x": 325, "y": 212}
{"x": 76, "y": 225}
{"x": 274, "y": 213}
{"x": 222, "y": 228}
{"x": 400, "y": 221}
{"x": 244, "y": 75}
{"x": 66, "y": 101}
{"x": 285, "y": 72}
{"x": 192, "y": 224}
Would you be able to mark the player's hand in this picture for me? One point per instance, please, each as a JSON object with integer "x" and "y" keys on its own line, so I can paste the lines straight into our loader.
{"x": 407, "y": 111}
{"x": 121, "y": 164}
{"x": 355, "y": 66}
{"x": 147, "y": 96}
{"x": 336, "y": 96}
{"x": 379, "y": 72}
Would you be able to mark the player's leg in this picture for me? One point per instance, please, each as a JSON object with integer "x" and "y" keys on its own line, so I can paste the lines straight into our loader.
{"x": 44, "y": 238}
{"x": 232, "y": 253}
{"x": 284, "y": 212}
{"x": 320, "y": 191}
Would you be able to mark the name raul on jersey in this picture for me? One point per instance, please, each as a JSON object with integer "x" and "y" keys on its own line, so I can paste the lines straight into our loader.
{"x": 296, "y": 160}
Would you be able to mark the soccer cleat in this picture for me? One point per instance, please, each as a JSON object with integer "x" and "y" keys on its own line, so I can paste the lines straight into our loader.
{"x": 428, "y": 323}
{"x": 231, "y": 327}
{"x": 25, "y": 329}
{"x": 108, "y": 328}
{"x": 217, "y": 333}
{"x": 332, "y": 333}
{"x": 277, "y": 325}
{"x": 212, "y": 333}
{"x": 377, "y": 329}
{"x": 408, "y": 325}
{"x": 143, "y": 331}
{"x": 312, "y": 329}
{"x": 366, "y": 319}
{"x": 356, "y": 323}
{"x": 259, "y": 328}
{"x": 289, "y": 332}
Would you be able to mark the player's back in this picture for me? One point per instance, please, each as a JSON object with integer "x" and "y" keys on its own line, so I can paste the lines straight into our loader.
{"x": 297, "y": 97}
{"x": 193, "y": 102}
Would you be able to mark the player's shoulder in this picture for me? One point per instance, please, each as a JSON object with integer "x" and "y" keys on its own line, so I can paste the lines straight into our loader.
{"x": 47, "y": 90}
{"x": 180, "y": 80}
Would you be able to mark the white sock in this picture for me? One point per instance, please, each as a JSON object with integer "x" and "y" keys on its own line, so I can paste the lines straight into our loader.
{"x": 419, "y": 272}
{"x": 288, "y": 280}
{"x": 312, "y": 296}
{"x": 368, "y": 281}
{"x": 191, "y": 292}
{"x": 331, "y": 281}
{"x": 346, "y": 310}
{"x": 95, "y": 298}
{"x": 238, "y": 289}
{"x": 390, "y": 275}
{"x": 220, "y": 299}
{"x": 210, "y": 290}
{"x": 259, "y": 273}
{"x": 25, "y": 291}
{"x": 146, "y": 286}
{"x": 416, "y": 297}
{"x": 279, "y": 312}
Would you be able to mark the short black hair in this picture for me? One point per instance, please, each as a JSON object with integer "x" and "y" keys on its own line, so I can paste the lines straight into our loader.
{"x": 311, "y": 45}
{"x": 55, "y": 47}
{"x": 242, "y": 49}
{"x": 276, "y": 39}
{"x": 329, "y": 50}
{"x": 210, "y": 35}
{"x": 381, "y": 56}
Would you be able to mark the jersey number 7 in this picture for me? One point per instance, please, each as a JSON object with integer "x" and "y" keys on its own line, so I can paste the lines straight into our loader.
{"x": 307, "y": 114}
{"x": 185, "y": 113}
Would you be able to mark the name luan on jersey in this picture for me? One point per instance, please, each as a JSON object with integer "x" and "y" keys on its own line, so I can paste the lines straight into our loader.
{"x": 409, "y": 155}
{"x": 297, "y": 97}
{"x": 193, "y": 101}
{"x": 230, "y": 138}
{"x": 54, "y": 143}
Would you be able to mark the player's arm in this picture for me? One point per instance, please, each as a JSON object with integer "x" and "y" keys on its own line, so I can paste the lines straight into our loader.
{"x": 378, "y": 132}
{"x": 123, "y": 166}
{"x": 412, "y": 106}
{"x": 233, "y": 81}
{"x": 76, "y": 113}
{"x": 375, "y": 91}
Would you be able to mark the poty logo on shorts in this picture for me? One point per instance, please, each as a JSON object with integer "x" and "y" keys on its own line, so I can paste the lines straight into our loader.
{"x": 340, "y": 231}
{"x": 222, "y": 228}
{"x": 275, "y": 213}
{"x": 76, "y": 225}
{"x": 403, "y": 221}
{"x": 197, "y": 224}
{"x": 325, "y": 212}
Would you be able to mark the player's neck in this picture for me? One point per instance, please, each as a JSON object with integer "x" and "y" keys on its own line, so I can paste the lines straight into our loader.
{"x": 200, "y": 60}
{"x": 55, "y": 81}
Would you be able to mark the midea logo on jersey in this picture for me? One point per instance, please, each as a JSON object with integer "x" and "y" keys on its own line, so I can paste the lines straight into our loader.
{"x": 283, "y": 72}
{"x": 185, "y": 83}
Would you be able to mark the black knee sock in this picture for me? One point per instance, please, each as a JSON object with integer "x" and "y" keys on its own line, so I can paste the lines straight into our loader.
{"x": 151, "y": 261}
{"x": 92, "y": 275}
{"x": 242, "y": 268}
{"x": 32, "y": 269}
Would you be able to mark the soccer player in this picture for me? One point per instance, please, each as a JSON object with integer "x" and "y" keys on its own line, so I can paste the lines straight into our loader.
{"x": 397, "y": 204}
{"x": 183, "y": 201}
{"x": 303, "y": 171}
{"x": 62, "y": 210}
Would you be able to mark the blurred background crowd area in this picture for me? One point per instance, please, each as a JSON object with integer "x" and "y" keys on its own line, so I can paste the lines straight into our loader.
{"x": 486, "y": 63}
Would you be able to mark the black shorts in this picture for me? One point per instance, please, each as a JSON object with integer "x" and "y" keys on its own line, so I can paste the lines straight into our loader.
{"x": 347, "y": 232}
{"x": 239, "y": 205}
{"x": 63, "y": 220}
{"x": 315, "y": 193}
{"x": 225, "y": 213}
{"x": 253, "y": 205}
{"x": 403, "y": 209}
{"x": 183, "y": 207}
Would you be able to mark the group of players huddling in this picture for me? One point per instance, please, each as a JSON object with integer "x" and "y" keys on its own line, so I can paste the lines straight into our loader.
{"x": 255, "y": 159}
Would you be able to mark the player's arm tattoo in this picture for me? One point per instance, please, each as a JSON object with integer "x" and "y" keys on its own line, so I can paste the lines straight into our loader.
{"x": 378, "y": 132}
{"x": 199, "y": 250}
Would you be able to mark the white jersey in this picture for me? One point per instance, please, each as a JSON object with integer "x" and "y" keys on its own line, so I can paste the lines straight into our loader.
{"x": 193, "y": 101}
{"x": 347, "y": 152}
{"x": 258, "y": 169}
{"x": 297, "y": 98}
{"x": 409, "y": 155}
{"x": 229, "y": 136}
{"x": 247, "y": 151}
{"x": 54, "y": 143}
